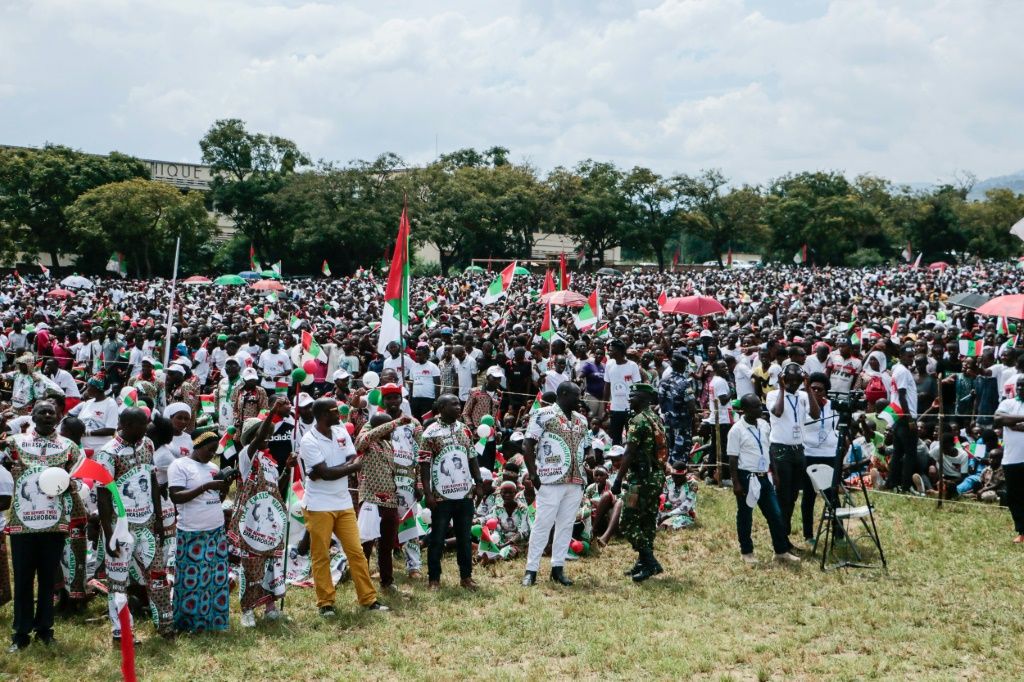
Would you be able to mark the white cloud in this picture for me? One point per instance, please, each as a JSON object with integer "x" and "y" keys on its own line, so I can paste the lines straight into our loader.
{"x": 914, "y": 90}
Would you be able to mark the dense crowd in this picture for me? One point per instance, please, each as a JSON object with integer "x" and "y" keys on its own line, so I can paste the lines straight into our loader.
{"x": 266, "y": 444}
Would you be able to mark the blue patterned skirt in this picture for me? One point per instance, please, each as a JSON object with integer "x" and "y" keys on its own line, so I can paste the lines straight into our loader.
{"x": 201, "y": 591}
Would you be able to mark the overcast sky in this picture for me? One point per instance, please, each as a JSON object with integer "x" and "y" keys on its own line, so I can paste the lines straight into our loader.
{"x": 913, "y": 90}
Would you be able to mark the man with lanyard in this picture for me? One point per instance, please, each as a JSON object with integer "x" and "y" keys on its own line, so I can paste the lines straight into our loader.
{"x": 451, "y": 475}
{"x": 329, "y": 458}
{"x": 821, "y": 446}
{"x": 644, "y": 463}
{"x": 788, "y": 410}
{"x": 619, "y": 375}
{"x": 138, "y": 557}
{"x": 225, "y": 396}
{"x": 749, "y": 467}
{"x": 678, "y": 408}
{"x": 403, "y": 444}
{"x": 563, "y": 437}
{"x": 481, "y": 403}
{"x": 38, "y": 524}
{"x": 1010, "y": 416}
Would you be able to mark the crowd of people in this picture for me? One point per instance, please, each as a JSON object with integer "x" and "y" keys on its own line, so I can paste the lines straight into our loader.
{"x": 265, "y": 444}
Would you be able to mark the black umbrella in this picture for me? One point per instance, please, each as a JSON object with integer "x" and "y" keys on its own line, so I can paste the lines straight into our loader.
{"x": 969, "y": 300}
{"x": 612, "y": 272}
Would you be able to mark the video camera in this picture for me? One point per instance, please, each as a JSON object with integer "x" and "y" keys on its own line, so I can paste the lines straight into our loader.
{"x": 845, "y": 404}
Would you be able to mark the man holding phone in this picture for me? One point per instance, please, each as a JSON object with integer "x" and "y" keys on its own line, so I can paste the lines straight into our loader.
{"x": 789, "y": 409}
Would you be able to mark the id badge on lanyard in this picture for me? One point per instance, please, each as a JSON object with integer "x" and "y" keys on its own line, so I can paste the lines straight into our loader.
{"x": 798, "y": 432}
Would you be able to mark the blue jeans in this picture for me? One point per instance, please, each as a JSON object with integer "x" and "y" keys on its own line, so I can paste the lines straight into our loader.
{"x": 769, "y": 505}
{"x": 968, "y": 484}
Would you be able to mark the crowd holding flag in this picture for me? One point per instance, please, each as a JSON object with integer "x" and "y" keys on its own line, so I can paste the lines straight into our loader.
{"x": 395, "y": 311}
{"x": 501, "y": 284}
{"x": 117, "y": 264}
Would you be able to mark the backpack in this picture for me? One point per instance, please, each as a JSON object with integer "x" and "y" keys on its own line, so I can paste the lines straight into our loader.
{"x": 875, "y": 389}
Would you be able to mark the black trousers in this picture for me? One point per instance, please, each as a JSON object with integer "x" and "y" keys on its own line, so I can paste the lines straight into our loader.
{"x": 790, "y": 471}
{"x": 904, "y": 456}
{"x": 420, "y": 406}
{"x": 487, "y": 458}
{"x": 32, "y": 555}
{"x": 460, "y": 513}
{"x": 616, "y": 424}
{"x": 1014, "y": 496}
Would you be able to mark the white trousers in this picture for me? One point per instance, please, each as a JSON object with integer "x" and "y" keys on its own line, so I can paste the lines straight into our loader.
{"x": 556, "y": 506}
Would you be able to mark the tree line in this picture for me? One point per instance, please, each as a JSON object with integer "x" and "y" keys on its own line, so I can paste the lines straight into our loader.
{"x": 467, "y": 204}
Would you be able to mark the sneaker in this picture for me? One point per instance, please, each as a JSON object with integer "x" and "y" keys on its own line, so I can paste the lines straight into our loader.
{"x": 787, "y": 558}
{"x": 918, "y": 485}
{"x": 248, "y": 619}
{"x": 749, "y": 559}
{"x": 327, "y": 612}
{"x": 377, "y": 606}
{"x": 415, "y": 575}
{"x": 274, "y": 614}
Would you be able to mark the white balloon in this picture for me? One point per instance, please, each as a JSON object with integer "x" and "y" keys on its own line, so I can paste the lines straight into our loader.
{"x": 484, "y": 431}
{"x": 371, "y": 380}
{"x": 426, "y": 515}
{"x": 54, "y": 481}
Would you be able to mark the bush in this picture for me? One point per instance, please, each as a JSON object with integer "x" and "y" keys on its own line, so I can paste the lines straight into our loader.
{"x": 420, "y": 269}
{"x": 865, "y": 258}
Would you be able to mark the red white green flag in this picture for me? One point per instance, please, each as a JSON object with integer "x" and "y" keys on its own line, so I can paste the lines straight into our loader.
{"x": 46, "y": 270}
{"x": 325, "y": 269}
{"x": 117, "y": 264}
{"x": 280, "y": 387}
{"x": 311, "y": 348}
{"x": 411, "y": 526}
{"x": 395, "y": 312}
{"x": 130, "y": 398}
{"x": 547, "y": 331}
{"x": 971, "y": 348}
{"x": 602, "y": 331}
{"x": 227, "y": 445}
{"x": 536, "y": 403}
{"x": 549, "y": 283}
{"x": 500, "y": 286}
{"x": 800, "y": 257}
{"x": 891, "y": 414}
{"x": 207, "y": 404}
{"x": 430, "y": 303}
{"x": 662, "y": 299}
{"x": 590, "y": 314}
{"x": 294, "y": 322}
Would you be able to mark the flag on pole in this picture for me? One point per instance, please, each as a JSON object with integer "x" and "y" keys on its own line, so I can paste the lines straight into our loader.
{"x": 500, "y": 286}
{"x": 728, "y": 258}
{"x": 325, "y": 269}
{"x": 411, "y": 526}
{"x": 549, "y": 283}
{"x": 602, "y": 332}
{"x": 311, "y": 348}
{"x": 395, "y": 311}
{"x": 662, "y": 298}
{"x": 536, "y": 403}
{"x": 430, "y": 303}
{"x": 268, "y": 314}
{"x": 675, "y": 258}
{"x": 971, "y": 348}
{"x": 547, "y": 332}
{"x": 891, "y": 414}
{"x": 563, "y": 273}
{"x": 276, "y": 267}
{"x": 280, "y": 387}
{"x": 907, "y": 253}
{"x": 590, "y": 314}
{"x": 1003, "y": 326}
{"x": 46, "y": 270}
{"x": 294, "y": 322}
{"x": 207, "y": 404}
{"x": 917, "y": 261}
{"x": 296, "y": 495}
{"x": 117, "y": 264}
{"x": 227, "y": 445}
{"x": 252, "y": 257}
{"x": 800, "y": 257}
{"x": 17, "y": 276}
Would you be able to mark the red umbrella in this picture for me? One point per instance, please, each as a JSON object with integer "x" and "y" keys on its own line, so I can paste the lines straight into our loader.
{"x": 196, "y": 279}
{"x": 693, "y": 305}
{"x": 60, "y": 293}
{"x": 938, "y": 265}
{"x": 268, "y": 285}
{"x": 565, "y": 297}
{"x": 1004, "y": 306}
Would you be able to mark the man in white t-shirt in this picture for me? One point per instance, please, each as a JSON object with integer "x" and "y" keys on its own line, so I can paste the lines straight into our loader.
{"x": 903, "y": 464}
{"x": 719, "y": 417}
{"x": 817, "y": 361}
{"x": 466, "y": 371}
{"x": 275, "y": 364}
{"x": 843, "y": 368}
{"x": 328, "y": 458}
{"x": 1010, "y": 416}
{"x": 99, "y": 414}
{"x": 789, "y": 409}
{"x": 619, "y": 375}
{"x": 425, "y": 377}
{"x": 393, "y": 360}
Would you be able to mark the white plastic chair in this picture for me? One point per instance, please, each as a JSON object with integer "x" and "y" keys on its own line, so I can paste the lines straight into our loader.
{"x": 821, "y": 476}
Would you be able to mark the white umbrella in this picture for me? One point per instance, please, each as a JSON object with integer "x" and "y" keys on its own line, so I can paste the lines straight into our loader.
{"x": 77, "y": 282}
{"x": 1018, "y": 229}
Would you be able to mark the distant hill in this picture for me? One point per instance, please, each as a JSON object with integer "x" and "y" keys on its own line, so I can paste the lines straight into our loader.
{"x": 1014, "y": 181}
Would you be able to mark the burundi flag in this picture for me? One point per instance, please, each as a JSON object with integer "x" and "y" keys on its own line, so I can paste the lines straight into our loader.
{"x": 117, "y": 264}
{"x": 411, "y": 526}
{"x": 563, "y": 273}
{"x": 602, "y": 332}
{"x": 325, "y": 269}
{"x": 227, "y": 445}
{"x": 856, "y": 337}
{"x": 130, "y": 398}
{"x": 971, "y": 348}
{"x": 268, "y": 314}
{"x": 1003, "y": 326}
{"x": 891, "y": 414}
{"x": 590, "y": 314}
{"x": 46, "y": 270}
{"x": 280, "y": 387}
{"x": 547, "y": 331}
{"x": 800, "y": 257}
{"x": 500, "y": 286}
{"x": 294, "y": 322}
{"x": 430, "y": 303}
{"x": 395, "y": 311}
{"x": 296, "y": 494}
{"x": 207, "y": 404}
{"x": 549, "y": 283}
{"x": 662, "y": 299}
{"x": 537, "y": 404}
{"x": 311, "y": 348}
{"x": 276, "y": 267}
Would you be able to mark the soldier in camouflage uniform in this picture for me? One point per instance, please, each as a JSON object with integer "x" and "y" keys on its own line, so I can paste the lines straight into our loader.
{"x": 643, "y": 464}
{"x": 678, "y": 408}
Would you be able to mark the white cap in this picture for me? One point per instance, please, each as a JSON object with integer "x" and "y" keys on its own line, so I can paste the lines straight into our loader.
{"x": 248, "y": 374}
{"x": 340, "y": 375}
{"x": 485, "y": 474}
{"x": 495, "y": 371}
{"x": 174, "y": 367}
{"x": 516, "y": 436}
{"x": 183, "y": 361}
{"x": 305, "y": 399}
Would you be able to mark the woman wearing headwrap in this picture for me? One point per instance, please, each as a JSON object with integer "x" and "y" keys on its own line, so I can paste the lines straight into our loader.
{"x": 257, "y": 528}
{"x": 201, "y": 589}
{"x": 99, "y": 414}
{"x": 149, "y": 384}
{"x": 875, "y": 380}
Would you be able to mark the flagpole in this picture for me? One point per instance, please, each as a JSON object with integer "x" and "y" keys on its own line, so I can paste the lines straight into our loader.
{"x": 287, "y": 506}
{"x": 170, "y": 306}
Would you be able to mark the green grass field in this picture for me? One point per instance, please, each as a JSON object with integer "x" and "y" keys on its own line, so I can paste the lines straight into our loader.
{"x": 949, "y": 609}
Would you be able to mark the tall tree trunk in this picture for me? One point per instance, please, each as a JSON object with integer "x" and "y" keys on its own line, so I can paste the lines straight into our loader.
{"x": 54, "y": 267}
{"x": 660, "y": 253}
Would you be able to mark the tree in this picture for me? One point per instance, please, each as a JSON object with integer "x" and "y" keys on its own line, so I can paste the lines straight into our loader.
{"x": 38, "y": 185}
{"x": 248, "y": 170}
{"x": 142, "y": 219}
{"x": 986, "y": 224}
{"x": 654, "y": 211}
{"x": 589, "y": 204}
{"x": 931, "y": 220}
{"x": 720, "y": 218}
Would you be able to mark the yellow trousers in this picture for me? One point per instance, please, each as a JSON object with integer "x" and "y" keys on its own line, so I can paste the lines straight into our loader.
{"x": 321, "y": 526}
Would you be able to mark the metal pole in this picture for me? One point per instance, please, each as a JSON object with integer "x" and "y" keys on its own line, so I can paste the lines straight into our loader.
{"x": 170, "y": 305}
{"x": 940, "y": 483}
